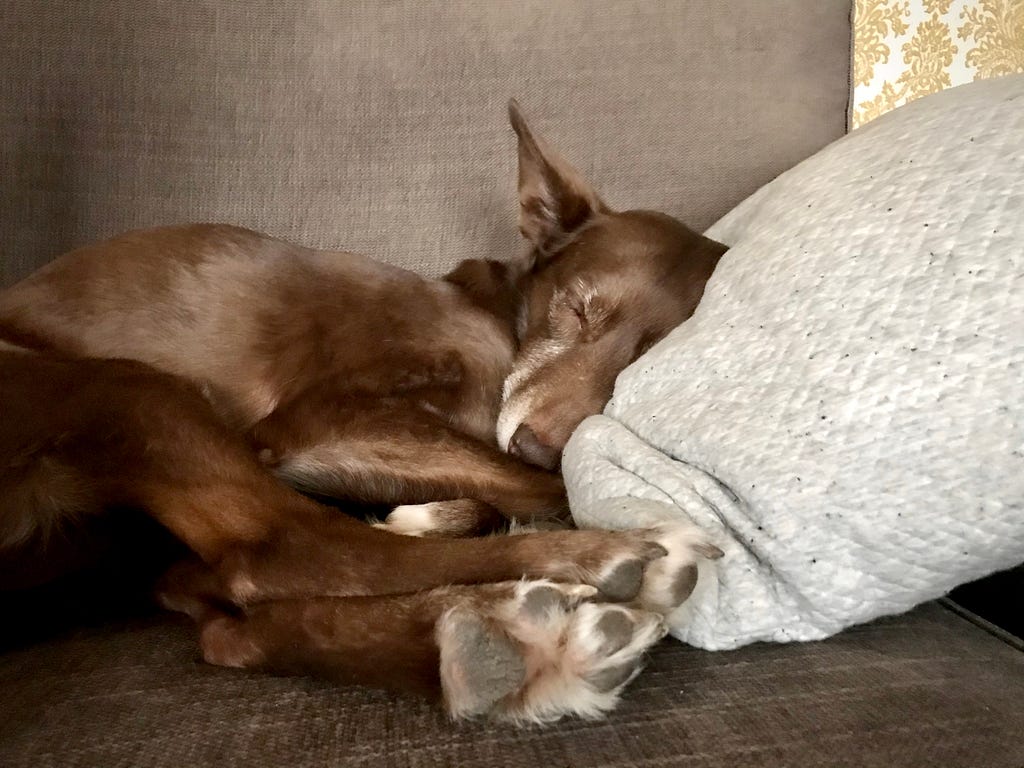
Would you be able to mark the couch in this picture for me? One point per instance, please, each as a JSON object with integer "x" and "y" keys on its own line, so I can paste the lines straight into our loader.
{"x": 380, "y": 127}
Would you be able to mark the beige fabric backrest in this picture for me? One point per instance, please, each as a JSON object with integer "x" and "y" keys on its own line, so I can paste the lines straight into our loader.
{"x": 380, "y": 127}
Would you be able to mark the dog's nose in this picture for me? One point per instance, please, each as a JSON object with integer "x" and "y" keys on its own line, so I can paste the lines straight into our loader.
{"x": 527, "y": 446}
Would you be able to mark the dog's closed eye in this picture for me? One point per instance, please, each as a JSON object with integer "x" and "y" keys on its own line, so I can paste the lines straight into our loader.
{"x": 567, "y": 318}
{"x": 579, "y": 313}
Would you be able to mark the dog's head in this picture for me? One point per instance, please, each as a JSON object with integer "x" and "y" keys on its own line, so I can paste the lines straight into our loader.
{"x": 601, "y": 287}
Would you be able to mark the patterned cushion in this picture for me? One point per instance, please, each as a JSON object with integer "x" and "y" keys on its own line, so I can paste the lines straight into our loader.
{"x": 905, "y": 49}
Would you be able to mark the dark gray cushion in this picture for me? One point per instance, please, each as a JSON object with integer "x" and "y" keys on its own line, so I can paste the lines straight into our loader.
{"x": 928, "y": 688}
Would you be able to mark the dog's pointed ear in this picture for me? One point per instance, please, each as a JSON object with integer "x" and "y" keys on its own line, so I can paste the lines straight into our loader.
{"x": 553, "y": 198}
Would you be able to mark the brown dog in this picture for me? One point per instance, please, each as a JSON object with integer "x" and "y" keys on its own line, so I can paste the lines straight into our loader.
{"x": 164, "y": 372}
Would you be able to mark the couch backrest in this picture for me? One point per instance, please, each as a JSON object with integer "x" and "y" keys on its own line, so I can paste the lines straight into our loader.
{"x": 380, "y": 126}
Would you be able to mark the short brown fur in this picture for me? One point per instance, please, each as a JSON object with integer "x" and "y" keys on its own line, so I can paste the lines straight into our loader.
{"x": 203, "y": 375}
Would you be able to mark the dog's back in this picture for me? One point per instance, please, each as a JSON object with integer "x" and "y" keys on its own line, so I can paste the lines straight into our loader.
{"x": 257, "y": 320}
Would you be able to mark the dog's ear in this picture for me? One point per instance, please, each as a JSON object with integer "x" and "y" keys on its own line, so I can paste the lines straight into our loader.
{"x": 554, "y": 200}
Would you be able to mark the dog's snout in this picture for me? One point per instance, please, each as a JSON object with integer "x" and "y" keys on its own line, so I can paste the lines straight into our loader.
{"x": 527, "y": 446}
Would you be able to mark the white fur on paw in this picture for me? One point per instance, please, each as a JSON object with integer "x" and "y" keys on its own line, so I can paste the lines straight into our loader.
{"x": 542, "y": 654}
{"x": 670, "y": 580}
{"x": 411, "y": 519}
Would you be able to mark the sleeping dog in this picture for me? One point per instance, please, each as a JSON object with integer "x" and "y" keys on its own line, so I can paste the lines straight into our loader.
{"x": 220, "y": 381}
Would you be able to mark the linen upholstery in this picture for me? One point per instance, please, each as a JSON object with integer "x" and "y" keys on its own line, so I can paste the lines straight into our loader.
{"x": 924, "y": 689}
{"x": 380, "y": 126}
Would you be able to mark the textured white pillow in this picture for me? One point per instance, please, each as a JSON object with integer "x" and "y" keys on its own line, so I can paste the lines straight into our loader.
{"x": 844, "y": 410}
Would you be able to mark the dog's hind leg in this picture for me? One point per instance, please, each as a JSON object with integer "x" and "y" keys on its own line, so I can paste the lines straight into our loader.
{"x": 527, "y": 651}
{"x": 80, "y": 437}
{"x": 453, "y": 518}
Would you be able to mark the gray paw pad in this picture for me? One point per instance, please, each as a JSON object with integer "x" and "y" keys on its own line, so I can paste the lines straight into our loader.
{"x": 616, "y": 631}
{"x": 684, "y": 583}
{"x": 539, "y": 600}
{"x": 489, "y": 664}
{"x": 623, "y": 583}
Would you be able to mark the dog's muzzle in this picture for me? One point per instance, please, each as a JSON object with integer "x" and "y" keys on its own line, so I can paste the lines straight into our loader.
{"x": 525, "y": 445}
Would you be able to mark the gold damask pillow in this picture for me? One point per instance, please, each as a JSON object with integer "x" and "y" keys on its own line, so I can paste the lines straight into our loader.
{"x": 904, "y": 49}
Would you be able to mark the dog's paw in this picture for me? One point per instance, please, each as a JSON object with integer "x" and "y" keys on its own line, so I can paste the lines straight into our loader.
{"x": 541, "y": 654}
{"x": 670, "y": 580}
{"x": 651, "y": 568}
{"x": 454, "y": 519}
{"x": 413, "y": 519}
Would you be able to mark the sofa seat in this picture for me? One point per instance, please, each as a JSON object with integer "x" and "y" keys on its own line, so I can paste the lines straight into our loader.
{"x": 926, "y": 688}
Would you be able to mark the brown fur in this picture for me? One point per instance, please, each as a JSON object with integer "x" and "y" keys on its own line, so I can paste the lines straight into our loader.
{"x": 184, "y": 372}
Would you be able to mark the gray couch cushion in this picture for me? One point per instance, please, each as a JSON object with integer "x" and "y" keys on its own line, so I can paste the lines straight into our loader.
{"x": 928, "y": 688}
{"x": 381, "y": 127}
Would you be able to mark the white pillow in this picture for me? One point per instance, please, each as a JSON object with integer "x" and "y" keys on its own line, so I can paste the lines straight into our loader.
{"x": 844, "y": 410}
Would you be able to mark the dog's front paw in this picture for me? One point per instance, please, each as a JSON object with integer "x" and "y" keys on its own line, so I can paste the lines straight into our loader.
{"x": 670, "y": 580}
{"x": 654, "y": 569}
{"x": 541, "y": 654}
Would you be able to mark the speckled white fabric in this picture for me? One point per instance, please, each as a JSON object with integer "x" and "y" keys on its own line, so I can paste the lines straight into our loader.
{"x": 844, "y": 410}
